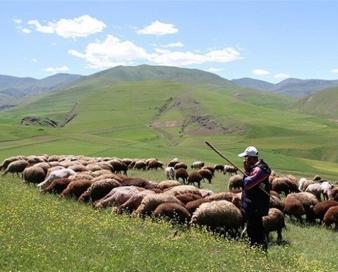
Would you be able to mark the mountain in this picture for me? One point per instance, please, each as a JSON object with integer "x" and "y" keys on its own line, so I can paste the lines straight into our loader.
{"x": 17, "y": 88}
{"x": 292, "y": 86}
{"x": 247, "y": 82}
{"x": 323, "y": 103}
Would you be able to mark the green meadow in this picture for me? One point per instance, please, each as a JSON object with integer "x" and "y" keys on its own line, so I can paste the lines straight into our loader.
{"x": 162, "y": 119}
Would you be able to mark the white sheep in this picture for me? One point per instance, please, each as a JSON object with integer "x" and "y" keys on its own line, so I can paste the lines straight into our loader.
{"x": 197, "y": 165}
{"x": 170, "y": 173}
{"x": 218, "y": 215}
{"x": 60, "y": 173}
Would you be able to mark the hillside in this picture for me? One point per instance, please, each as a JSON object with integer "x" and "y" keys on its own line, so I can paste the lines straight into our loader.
{"x": 163, "y": 117}
{"x": 293, "y": 87}
{"x": 13, "y": 90}
{"x": 324, "y": 103}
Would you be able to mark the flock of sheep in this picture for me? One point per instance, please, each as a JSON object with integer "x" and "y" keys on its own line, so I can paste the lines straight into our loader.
{"x": 104, "y": 183}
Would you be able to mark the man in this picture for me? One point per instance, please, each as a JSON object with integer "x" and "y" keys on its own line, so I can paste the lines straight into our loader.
{"x": 255, "y": 195}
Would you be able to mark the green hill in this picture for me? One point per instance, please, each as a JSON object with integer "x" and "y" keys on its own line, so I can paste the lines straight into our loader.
{"x": 324, "y": 103}
{"x": 168, "y": 112}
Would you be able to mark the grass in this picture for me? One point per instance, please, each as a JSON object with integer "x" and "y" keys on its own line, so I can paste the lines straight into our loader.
{"x": 115, "y": 120}
{"x": 43, "y": 232}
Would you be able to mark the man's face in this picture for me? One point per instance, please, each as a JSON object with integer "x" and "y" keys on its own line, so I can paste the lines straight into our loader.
{"x": 250, "y": 160}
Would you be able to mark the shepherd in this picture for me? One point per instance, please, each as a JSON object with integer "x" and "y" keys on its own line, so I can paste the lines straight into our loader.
{"x": 255, "y": 195}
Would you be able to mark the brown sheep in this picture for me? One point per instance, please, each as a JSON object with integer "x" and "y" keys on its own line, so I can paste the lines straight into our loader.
{"x": 206, "y": 174}
{"x": 57, "y": 186}
{"x": 173, "y": 212}
{"x": 210, "y": 168}
{"x": 276, "y": 202}
{"x": 139, "y": 182}
{"x": 331, "y": 217}
{"x": 7, "y": 161}
{"x": 119, "y": 167}
{"x": 236, "y": 182}
{"x": 334, "y": 193}
{"x": 182, "y": 174}
{"x": 16, "y": 167}
{"x": 195, "y": 177}
{"x": 173, "y": 162}
{"x": 281, "y": 185}
{"x": 140, "y": 165}
{"x": 321, "y": 208}
{"x": 274, "y": 221}
{"x": 133, "y": 202}
{"x": 98, "y": 190}
{"x": 154, "y": 164}
{"x": 34, "y": 174}
{"x": 180, "y": 165}
{"x": 76, "y": 188}
{"x": 219, "y": 167}
{"x": 166, "y": 184}
{"x": 229, "y": 169}
{"x": 221, "y": 196}
{"x": 298, "y": 204}
{"x": 151, "y": 202}
{"x": 187, "y": 197}
{"x": 193, "y": 205}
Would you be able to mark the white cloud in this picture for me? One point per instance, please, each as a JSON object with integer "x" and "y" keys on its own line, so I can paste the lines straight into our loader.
{"x": 17, "y": 21}
{"x": 34, "y": 60}
{"x": 111, "y": 52}
{"x": 158, "y": 28}
{"x": 281, "y": 76}
{"x": 335, "y": 71}
{"x": 260, "y": 72}
{"x": 54, "y": 70}
{"x": 82, "y": 26}
{"x": 171, "y": 45}
{"x": 26, "y": 30}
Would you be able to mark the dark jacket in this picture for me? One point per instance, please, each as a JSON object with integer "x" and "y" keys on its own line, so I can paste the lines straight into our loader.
{"x": 256, "y": 189}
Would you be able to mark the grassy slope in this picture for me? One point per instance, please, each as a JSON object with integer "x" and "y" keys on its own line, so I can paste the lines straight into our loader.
{"x": 42, "y": 232}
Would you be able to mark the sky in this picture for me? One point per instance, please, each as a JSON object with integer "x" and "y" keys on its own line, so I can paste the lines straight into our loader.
{"x": 267, "y": 40}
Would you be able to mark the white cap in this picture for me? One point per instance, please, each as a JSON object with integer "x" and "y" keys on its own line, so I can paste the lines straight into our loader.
{"x": 250, "y": 151}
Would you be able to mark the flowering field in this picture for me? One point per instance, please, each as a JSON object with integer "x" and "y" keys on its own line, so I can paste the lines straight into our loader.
{"x": 45, "y": 233}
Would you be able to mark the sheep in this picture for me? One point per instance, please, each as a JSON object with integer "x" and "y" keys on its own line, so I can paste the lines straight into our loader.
{"x": 195, "y": 177}
{"x": 326, "y": 190}
{"x": 137, "y": 182}
{"x": 219, "y": 167}
{"x": 78, "y": 168}
{"x": 61, "y": 173}
{"x": 235, "y": 182}
{"x": 182, "y": 174}
{"x": 101, "y": 172}
{"x": 7, "y": 161}
{"x": 193, "y": 205}
{"x": 170, "y": 173}
{"x": 93, "y": 167}
{"x": 34, "y": 174}
{"x": 276, "y": 202}
{"x": 44, "y": 165}
{"x": 183, "y": 189}
{"x": 98, "y": 190}
{"x": 166, "y": 184}
{"x": 210, "y": 168}
{"x": 229, "y": 169}
{"x": 151, "y": 202}
{"x": 173, "y": 162}
{"x": 140, "y": 165}
{"x": 206, "y": 174}
{"x": 76, "y": 188}
{"x": 119, "y": 167}
{"x": 334, "y": 193}
{"x": 197, "y": 165}
{"x": 133, "y": 202}
{"x": 154, "y": 164}
{"x": 298, "y": 204}
{"x": 187, "y": 197}
{"x": 180, "y": 165}
{"x": 117, "y": 196}
{"x": 321, "y": 207}
{"x": 303, "y": 183}
{"x": 173, "y": 212}
{"x": 221, "y": 196}
{"x": 274, "y": 221}
{"x": 219, "y": 215}
{"x": 16, "y": 167}
{"x": 281, "y": 185}
{"x": 57, "y": 186}
{"x": 205, "y": 192}
{"x": 315, "y": 189}
{"x": 331, "y": 217}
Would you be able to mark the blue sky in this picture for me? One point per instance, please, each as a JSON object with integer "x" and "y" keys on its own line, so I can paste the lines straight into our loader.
{"x": 267, "y": 40}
